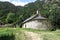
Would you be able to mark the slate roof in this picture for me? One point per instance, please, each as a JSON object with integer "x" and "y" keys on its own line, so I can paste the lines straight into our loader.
{"x": 35, "y": 17}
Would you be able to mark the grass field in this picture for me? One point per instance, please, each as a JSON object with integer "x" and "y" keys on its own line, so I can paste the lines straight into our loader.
{"x": 19, "y": 33}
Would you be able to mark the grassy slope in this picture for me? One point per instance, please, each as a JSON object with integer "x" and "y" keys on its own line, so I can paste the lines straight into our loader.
{"x": 20, "y": 35}
{"x": 47, "y": 35}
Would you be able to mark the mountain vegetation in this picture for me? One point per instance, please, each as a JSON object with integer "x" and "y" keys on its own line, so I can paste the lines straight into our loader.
{"x": 11, "y": 14}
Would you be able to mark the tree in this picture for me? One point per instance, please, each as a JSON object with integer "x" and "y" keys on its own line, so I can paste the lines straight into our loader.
{"x": 10, "y": 18}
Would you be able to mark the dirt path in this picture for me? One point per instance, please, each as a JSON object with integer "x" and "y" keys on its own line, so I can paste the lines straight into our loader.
{"x": 33, "y": 36}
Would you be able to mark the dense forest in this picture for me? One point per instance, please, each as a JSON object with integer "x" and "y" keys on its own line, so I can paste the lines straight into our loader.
{"x": 11, "y": 14}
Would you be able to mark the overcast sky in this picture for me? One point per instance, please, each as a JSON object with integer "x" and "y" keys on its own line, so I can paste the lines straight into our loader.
{"x": 19, "y": 2}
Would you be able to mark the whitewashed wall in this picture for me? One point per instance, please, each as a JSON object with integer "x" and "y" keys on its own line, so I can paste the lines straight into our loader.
{"x": 41, "y": 24}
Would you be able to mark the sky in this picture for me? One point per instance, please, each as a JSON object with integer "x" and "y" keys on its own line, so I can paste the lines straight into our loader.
{"x": 19, "y": 2}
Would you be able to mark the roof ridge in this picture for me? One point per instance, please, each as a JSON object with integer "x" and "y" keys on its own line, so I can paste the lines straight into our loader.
{"x": 30, "y": 18}
{"x": 36, "y": 16}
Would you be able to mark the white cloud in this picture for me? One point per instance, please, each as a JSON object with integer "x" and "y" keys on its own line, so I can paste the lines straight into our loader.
{"x": 16, "y": 2}
{"x": 19, "y": 3}
{"x": 4, "y": 0}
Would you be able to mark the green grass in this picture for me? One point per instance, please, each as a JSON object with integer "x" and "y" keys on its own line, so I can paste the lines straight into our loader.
{"x": 17, "y": 32}
{"x": 6, "y": 34}
{"x": 20, "y": 35}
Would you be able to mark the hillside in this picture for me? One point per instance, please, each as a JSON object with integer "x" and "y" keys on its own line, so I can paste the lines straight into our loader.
{"x": 11, "y": 14}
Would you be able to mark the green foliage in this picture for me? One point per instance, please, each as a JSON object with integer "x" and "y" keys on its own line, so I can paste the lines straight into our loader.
{"x": 10, "y": 18}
